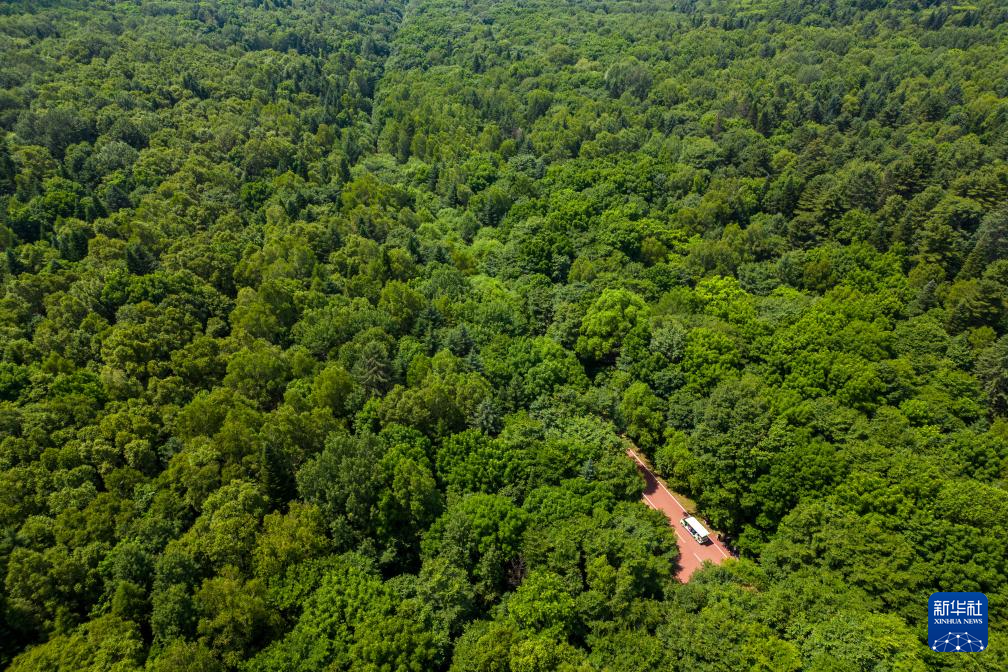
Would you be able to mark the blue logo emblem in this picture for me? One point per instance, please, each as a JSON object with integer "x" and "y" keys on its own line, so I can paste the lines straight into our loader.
{"x": 957, "y": 622}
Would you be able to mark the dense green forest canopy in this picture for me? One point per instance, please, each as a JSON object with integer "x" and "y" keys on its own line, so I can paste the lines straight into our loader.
{"x": 322, "y": 324}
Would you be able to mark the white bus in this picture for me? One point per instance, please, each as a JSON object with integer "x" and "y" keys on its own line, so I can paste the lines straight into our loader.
{"x": 696, "y": 530}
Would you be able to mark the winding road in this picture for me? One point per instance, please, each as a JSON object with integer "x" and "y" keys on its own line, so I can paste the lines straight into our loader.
{"x": 692, "y": 555}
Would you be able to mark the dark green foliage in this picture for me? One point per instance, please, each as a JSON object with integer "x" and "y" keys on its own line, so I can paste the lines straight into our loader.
{"x": 322, "y": 326}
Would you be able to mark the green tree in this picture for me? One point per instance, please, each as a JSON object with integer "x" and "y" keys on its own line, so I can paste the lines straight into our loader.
{"x": 481, "y": 534}
{"x": 617, "y": 318}
{"x": 642, "y": 413}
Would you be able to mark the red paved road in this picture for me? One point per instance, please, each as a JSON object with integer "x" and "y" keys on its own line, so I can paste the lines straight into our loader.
{"x": 691, "y": 554}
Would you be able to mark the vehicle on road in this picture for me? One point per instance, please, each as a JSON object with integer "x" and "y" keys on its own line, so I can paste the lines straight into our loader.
{"x": 696, "y": 529}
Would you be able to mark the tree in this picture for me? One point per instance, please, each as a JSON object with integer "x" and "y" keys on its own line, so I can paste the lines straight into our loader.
{"x": 542, "y": 604}
{"x": 183, "y": 656}
{"x": 484, "y": 647}
{"x": 991, "y": 243}
{"x": 617, "y": 318}
{"x": 233, "y": 617}
{"x": 642, "y": 413}
{"x": 481, "y": 534}
{"x": 992, "y": 368}
{"x": 225, "y": 532}
{"x": 259, "y": 373}
{"x": 344, "y": 483}
{"x": 628, "y": 76}
{"x": 104, "y": 643}
{"x": 320, "y": 323}
{"x": 709, "y": 357}
{"x": 728, "y": 449}
{"x": 288, "y": 539}
{"x": 332, "y": 621}
{"x": 334, "y": 389}
{"x": 55, "y": 129}
{"x": 409, "y": 501}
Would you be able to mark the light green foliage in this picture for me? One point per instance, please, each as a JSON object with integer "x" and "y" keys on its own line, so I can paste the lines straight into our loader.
{"x": 106, "y": 643}
{"x": 542, "y": 604}
{"x": 324, "y": 325}
{"x": 328, "y": 625}
{"x": 642, "y": 413}
{"x": 709, "y": 357}
{"x": 182, "y": 656}
{"x": 481, "y": 534}
{"x": 232, "y": 616}
{"x": 616, "y": 317}
{"x": 288, "y": 539}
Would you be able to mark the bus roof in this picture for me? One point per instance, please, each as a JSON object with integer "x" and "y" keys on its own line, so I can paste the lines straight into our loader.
{"x": 697, "y": 526}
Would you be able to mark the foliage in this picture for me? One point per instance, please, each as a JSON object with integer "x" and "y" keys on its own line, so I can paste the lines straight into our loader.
{"x": 322, "y": 326}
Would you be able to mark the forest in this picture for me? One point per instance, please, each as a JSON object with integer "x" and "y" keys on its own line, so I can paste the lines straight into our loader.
{"x": 324, "y": 325}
